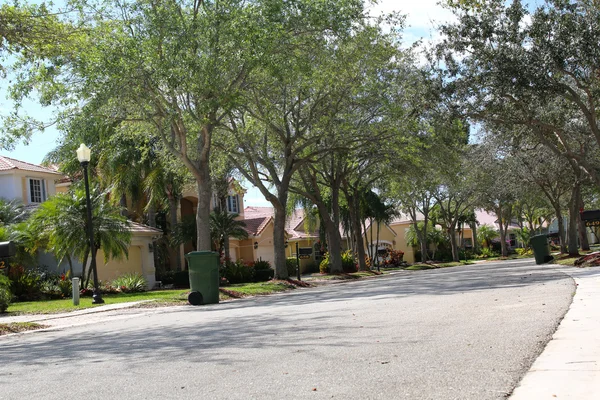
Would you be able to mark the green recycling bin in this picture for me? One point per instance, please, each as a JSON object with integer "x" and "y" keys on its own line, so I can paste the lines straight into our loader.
{"x": 204, "y": 277}
{"x": 541, "y": 248}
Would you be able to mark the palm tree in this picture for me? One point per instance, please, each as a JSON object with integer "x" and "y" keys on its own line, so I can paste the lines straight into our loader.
{"x": 59, "y": 225}
{"x": 223, "y": 225}
{"x": 485, "y": 235}
{"x": 11, "y": 211}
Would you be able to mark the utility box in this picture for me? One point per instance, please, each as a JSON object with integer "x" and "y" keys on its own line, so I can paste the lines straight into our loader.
{"x": 7, "y": 249}
{"x": 541, "y": 249}
{"x": 204, "y": 277}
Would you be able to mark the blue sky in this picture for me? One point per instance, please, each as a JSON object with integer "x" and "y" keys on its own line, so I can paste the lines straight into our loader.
{"x": 422, "y": 16}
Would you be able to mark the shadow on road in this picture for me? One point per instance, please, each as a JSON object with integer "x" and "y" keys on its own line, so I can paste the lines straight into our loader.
{"x": 203, "y": 337}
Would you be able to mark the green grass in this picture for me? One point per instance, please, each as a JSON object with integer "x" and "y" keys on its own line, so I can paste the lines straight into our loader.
{"x": 255, "y": 289}
{"x": 66, "y": 305}
{"x": 16, "y": 327}
{"x": 157, "y": 298}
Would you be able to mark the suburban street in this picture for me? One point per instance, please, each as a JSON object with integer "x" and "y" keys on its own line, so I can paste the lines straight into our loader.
{"x": 466, "y": 332}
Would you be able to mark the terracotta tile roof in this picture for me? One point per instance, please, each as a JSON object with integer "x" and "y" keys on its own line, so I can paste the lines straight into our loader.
{"x": 255, "y": 226}
{"x": 144, "y": 229}
{"x": 7, "y": 164}
{"x": 257, "y": 212}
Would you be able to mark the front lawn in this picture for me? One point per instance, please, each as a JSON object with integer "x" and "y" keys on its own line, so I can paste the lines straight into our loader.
{"x": 154, "y": 298}
{"x": 66, "y": 305}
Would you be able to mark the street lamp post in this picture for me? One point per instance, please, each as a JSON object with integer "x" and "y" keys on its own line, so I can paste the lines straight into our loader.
{"x": 83, "y": 155}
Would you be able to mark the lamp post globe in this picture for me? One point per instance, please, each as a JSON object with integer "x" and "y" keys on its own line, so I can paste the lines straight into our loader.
{"x": 83, "y": 155}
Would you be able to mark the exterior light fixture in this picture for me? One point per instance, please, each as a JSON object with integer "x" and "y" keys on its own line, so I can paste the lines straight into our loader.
{"x": 255, "y": 245}
{"x": 83, "y": 155}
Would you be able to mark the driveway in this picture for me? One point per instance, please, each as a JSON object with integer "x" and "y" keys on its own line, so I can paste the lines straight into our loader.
{"x": 458, "y": 333}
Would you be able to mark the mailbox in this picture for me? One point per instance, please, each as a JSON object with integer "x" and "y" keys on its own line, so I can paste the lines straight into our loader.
{"x": 7, "y": 249}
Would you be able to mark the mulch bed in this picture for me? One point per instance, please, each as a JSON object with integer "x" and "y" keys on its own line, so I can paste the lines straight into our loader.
{"x": 589, "y": 260}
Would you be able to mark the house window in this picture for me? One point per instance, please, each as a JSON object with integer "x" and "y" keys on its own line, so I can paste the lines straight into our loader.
{"x": 233, "y": 204}
{"x": 37, "y": 190}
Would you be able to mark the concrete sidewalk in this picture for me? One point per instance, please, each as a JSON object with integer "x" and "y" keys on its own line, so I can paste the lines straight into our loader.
{"x": 569, "y": 366}
{"x": 65, "y": 319}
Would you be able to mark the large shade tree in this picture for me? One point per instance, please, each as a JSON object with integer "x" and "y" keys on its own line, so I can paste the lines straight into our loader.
{"x": 178, "y": 66}
{"x": 538, "y": 70}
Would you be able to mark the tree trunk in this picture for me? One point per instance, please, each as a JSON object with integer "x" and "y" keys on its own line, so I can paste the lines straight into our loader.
{"x": 356, "y": 227}
{"x": 583, "y": 237}
{"x": 453, "y": 244}
{"x": 474, "y": 238}
{"x": 123, "y": 204}
{"x": 561, "y": 230}
{"x": 503, "y": 247}
{"x": 377, "y": 246}
{"x": 573, "y": 249}
{"x": 334, "y": 240}
{"x": 226, "y": 247}
{"x": 174, "y": 256}
{"x": 204, "y": 242}
{"x": 279, "y": 238}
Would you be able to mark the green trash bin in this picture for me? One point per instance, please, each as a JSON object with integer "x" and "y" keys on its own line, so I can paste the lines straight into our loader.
{"x": 204, "y": 277}
{"x": 541, "y": 248}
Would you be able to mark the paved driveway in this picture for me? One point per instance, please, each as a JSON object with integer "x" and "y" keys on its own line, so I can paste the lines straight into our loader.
{"x": 458, "y": 333}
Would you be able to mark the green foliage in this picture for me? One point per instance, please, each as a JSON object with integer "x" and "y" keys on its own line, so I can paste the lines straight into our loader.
{"x": 11, "y": 211}
{"x": 485, "y": 234}
{"x": 5, "y": 293}
{"x": 291, "y": 264}
{"x": 179, "y": 279}
{"x": 263, "y": 271}
{"x": 523, "y": 236}
{"x": 237, "y": 272}
{"x": 324, "y": 265}
{"x": 130, "y": 283}
{"x": 349, "y": 263}
{"x": 262, "y": 264}
{"x": 487, "y": 252}
{"x": 59, "y": 225}
{"x": 524, "y": 251}
{"x": 26, "y": 284}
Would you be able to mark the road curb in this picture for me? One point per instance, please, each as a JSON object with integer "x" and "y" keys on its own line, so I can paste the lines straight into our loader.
{"x": 569, "y": 366}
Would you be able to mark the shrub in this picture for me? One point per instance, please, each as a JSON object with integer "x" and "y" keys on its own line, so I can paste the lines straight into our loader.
{"x": 5, "y": 294}
{"x": 524, "y": 251}
{"x": 179, "y": 279}
{"x": 324, "y": 266}
{"x": 263, "y": 275}
{"x": 263, "y": 271}
{"x": 486, "y": 252}
{"x": 348, "y": 262}
{"x": 394, "y": 258}
{"x": 130, "y": 283}
{"x": 26, "y": 284}
{"x": 66, "y": 285}
{"x": 262, "y": 264}
{"x": 237, "y": 272}
{"x": 291, "y": 264}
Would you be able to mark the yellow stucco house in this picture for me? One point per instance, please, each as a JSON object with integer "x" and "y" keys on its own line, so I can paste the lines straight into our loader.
{"x": 33, "y": 184}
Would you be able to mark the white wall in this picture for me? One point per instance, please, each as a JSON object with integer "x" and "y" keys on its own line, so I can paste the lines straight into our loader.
{"x": 10, "y": 187}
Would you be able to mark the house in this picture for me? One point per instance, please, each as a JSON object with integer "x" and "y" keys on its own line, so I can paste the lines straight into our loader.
{"x": 33, "y": 184}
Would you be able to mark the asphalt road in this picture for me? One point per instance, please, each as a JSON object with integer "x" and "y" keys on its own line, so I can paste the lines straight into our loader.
{"x": 458, "y": 333}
